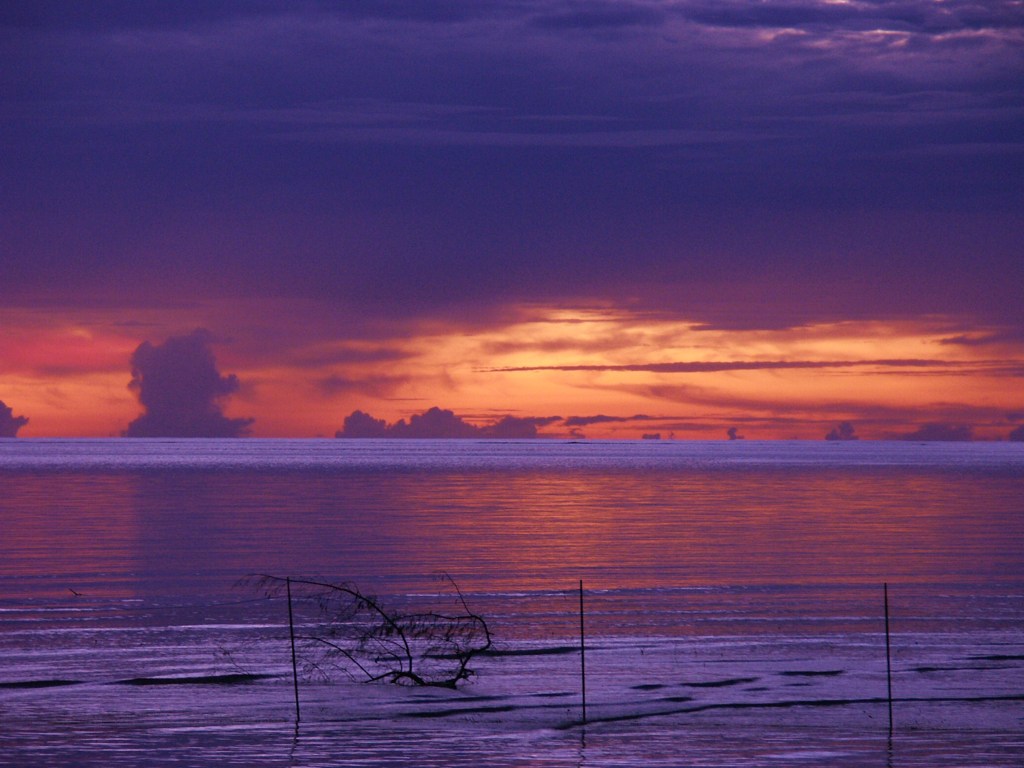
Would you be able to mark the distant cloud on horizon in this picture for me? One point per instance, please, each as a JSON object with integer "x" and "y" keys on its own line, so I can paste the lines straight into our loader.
{"x": 586, "y": 421}
{"x": 9, "y": 423}
{"x": 939, "y": 432}
{"x": 843, "y": 431}
{"x": 438, "y": 423}
{"x": 179, "y": 386}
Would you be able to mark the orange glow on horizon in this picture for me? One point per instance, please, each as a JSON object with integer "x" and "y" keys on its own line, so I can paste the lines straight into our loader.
{"x": 303, "y": 378}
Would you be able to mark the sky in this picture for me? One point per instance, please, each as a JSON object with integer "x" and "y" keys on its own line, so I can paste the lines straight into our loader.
{"x": 604, "y": 219}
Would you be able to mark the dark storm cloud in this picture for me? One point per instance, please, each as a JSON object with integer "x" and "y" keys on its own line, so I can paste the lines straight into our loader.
{"x": 910, "y": 16}
{"x": 115, "y": 14}
{"x": 772, "y": 16}
{"x": 195, "y": 14}
{"x": 598, "y": 15}
{"x": 404, "y": 158}
{"x": 916, "y": 15}
{"x": 438, "y": 423}
{"x": 9, "y": 423}
{"x": 179, "y": 386}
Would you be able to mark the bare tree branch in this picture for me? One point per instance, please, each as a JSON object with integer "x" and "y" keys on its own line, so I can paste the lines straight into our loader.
{"x": 352, "y": 631}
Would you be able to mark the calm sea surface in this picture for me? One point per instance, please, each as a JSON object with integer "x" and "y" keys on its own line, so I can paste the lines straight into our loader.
{"x": 733, "y": 590}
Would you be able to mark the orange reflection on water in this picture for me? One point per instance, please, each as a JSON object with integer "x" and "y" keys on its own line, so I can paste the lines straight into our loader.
{"x": 701, "y": 528}
{"x": 65, "y": 534}
{"x": 178, "y": 532}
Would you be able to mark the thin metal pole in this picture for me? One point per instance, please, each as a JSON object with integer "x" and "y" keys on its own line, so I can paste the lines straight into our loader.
{"x": 583, "y": 658}
{"x": 291, "y": 631}
{"x": 888, "y": 652}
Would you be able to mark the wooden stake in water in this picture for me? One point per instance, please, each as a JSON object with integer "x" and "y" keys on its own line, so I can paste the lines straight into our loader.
{"x": 888, "y": 653}
{"x": 583, "y": 658}
{"x": 291, "y": 632}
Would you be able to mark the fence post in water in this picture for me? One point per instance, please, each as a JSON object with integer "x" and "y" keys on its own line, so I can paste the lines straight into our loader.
{"x": 888, "y": 654}
{"x": 291, "y": 632}
{"x": 583, "y": 658}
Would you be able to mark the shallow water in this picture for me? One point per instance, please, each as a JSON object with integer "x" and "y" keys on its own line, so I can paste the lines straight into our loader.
{"x": 733, "y": 597}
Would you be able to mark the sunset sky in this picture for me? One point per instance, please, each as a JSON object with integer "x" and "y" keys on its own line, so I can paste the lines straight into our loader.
{"x": 673, "y": 218}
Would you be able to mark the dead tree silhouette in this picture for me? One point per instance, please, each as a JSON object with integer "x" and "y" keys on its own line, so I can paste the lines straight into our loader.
{"x": 356, "y": 633}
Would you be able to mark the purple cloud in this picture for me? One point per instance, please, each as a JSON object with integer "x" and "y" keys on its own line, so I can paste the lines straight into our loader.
{"x": 517, "y": 427}
{"x": 404, "y": 159}
{"x": 434, "y": 423}
{"x": 179, "y": 386}
{"x": 9, "y": 423}
{"x": 736, "y": 365}
{"x": 843, "y": 431}
{"x": 597, "y": 15}
{"x": 941, "y": 432}
{"x": 390, "y": 166}
{"x": 986, "y": 338}
{"x": 584, "y": 421}
{"x": 361, "y": 424}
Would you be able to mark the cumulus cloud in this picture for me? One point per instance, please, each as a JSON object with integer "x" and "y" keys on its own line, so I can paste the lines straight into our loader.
{"x": 734, "y": 434}
{"x": 941, "y": 432}
{"x": 179, "y": 386}
{"x": 843, "y": 431}
{"x": 360, "y": 424}
{"x": 439, "y": 423}
{"x": 9, "y": 423}
{"x": 434, "y": 423}
{"x": 518, "y": 427}
{"x": 1017, "y": 435}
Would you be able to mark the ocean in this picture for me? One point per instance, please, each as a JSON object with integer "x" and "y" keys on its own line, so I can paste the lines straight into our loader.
{"x": 734, "y": 601}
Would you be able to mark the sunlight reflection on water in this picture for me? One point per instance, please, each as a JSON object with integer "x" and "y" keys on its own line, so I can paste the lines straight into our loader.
{"x": 721, "y": 581}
